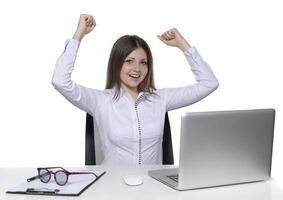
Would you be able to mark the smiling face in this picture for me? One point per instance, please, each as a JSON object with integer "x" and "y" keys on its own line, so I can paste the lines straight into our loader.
{"x": 130, "y": 66}
{"x": 134, "y": 70}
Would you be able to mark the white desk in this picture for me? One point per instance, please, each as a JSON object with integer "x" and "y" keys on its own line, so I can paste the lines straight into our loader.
{"x": 111, "y": 186}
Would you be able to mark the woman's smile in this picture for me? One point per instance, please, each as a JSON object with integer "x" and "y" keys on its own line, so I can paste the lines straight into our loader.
{"x": 134, "y": 70}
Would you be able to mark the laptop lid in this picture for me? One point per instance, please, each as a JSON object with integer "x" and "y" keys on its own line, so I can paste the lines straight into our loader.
{"x": 225, "y": 147}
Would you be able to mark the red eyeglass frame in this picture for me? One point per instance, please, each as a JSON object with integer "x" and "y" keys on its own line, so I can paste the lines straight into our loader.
{"x": 61, "y": 170}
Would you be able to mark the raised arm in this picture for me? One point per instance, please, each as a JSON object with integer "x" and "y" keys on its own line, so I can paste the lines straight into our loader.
{"x": 86, "y": 25}
{"x": 206, "y": 82}
{"x": 173, "y": 38}
{"x": 82, "y": 97}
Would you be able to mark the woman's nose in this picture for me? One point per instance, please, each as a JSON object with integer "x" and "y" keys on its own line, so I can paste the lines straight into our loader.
{"x": 136, "y": 66}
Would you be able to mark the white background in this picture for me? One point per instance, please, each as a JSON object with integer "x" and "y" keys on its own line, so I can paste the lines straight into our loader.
{"x": 241, "y": 40}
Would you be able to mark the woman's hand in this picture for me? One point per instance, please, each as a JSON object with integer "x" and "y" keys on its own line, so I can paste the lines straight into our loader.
{"x": 173, "y": 38}
{"x": 86, "y": 25}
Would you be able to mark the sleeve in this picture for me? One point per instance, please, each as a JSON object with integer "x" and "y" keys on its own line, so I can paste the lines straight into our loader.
{"x": 84, "y": 98}
{"x": 206, "y": 83}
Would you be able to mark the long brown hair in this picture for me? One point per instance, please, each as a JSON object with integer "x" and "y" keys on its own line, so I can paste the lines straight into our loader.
{"x": 120, "y": 50}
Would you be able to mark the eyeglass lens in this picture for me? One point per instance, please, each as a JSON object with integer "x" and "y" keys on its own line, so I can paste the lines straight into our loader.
{"x": 61, "y": 177}
{"x": 44, "y": 175}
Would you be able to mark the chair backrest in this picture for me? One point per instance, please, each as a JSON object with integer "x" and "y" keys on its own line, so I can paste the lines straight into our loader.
{"x": 167, "y": 147}
{"x": 92, "y": 152}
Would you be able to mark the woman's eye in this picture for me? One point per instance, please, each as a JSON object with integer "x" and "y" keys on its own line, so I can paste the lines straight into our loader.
{"x": 128, "y": 61}
{"x": 144, "y": 62}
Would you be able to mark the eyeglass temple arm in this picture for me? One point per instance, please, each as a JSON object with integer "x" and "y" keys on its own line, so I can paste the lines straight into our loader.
{"x": 75, "y": 173}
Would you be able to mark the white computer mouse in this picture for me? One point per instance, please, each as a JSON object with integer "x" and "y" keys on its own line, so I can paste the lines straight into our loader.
{"x": 133, "y": 179}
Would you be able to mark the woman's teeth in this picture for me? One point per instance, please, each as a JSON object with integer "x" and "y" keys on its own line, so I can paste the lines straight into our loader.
{"x": 134, "y": 75}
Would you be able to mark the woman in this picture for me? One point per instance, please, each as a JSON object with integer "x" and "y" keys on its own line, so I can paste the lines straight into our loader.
{"x": 129, "y": 113}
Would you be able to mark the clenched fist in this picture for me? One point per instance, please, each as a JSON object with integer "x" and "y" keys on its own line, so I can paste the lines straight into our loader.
{"x": 173, "y": 38}
{"x": 86, "y": 25}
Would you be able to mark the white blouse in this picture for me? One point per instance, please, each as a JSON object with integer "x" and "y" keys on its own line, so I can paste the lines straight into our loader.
{"x": 131, "y": 132}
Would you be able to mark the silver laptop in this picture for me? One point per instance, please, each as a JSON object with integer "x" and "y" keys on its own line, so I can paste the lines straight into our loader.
{"x": 222, "y": 148}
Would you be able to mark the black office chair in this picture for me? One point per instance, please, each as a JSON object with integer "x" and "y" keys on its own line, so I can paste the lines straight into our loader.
{"x": 90, "y": 156}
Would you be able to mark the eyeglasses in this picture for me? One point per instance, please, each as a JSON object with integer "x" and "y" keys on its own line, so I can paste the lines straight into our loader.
{"x": 61, "y": 176}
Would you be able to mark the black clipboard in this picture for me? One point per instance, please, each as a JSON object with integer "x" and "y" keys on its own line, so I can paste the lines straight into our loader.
{"x": 36, "y": 187}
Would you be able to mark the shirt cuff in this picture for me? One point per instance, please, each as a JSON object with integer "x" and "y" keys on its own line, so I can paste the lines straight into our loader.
{"x": 191, "y": 53}
{"x": 71, "y": 46}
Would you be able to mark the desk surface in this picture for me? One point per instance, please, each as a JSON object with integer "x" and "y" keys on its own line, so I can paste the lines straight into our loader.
{"x": 112, "y": 186}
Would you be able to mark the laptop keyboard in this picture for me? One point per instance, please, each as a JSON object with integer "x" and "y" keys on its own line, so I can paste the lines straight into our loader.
{"x": 174, "y": 177}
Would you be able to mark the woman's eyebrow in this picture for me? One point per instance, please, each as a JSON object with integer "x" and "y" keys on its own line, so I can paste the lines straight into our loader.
{"x": 135, "y": 58}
